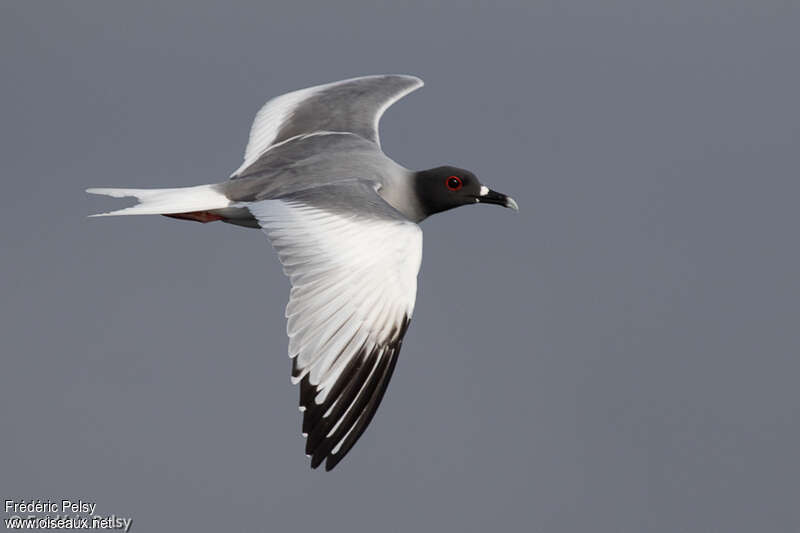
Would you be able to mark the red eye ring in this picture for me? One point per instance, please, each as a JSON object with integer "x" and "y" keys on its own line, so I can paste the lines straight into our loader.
{"x": 454, "y": 183}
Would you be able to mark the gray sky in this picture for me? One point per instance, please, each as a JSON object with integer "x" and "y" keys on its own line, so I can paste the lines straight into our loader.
{"x": 621, "y": 356}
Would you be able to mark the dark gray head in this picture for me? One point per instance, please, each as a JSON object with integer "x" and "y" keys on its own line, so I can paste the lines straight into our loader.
{"x": 443, "y": 188}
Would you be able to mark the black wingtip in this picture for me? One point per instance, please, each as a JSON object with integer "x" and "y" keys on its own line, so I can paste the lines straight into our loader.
{"x": 316, "y": 460}
{"x": 351, "y": 403}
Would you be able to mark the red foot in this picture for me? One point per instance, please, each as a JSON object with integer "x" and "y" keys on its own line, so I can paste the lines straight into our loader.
{"x": 197, "y": 216}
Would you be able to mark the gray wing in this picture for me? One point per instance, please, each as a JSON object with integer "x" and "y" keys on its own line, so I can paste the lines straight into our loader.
{"x": 353, "y": 106}
{"x": 352, "y": 261}
{"x": 310, "y": 161}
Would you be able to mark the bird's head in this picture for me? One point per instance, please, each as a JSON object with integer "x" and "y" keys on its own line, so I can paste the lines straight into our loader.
{"x": 443, "y": 188}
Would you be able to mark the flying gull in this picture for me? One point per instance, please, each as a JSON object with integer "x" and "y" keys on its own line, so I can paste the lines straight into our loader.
{"x": 343, "y": 218}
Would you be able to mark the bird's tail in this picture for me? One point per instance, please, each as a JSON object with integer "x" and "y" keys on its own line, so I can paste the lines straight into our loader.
{"x": 167, "y": 201}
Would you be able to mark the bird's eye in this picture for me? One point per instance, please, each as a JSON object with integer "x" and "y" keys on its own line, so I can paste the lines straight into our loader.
{"x": 454, "y": 183}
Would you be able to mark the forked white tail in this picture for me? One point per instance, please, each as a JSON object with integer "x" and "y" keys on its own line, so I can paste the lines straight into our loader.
{"x": 166, "y": 201}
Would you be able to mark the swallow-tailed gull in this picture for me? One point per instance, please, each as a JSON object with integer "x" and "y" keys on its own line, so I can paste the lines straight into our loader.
{"x": 343, "y": 218}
